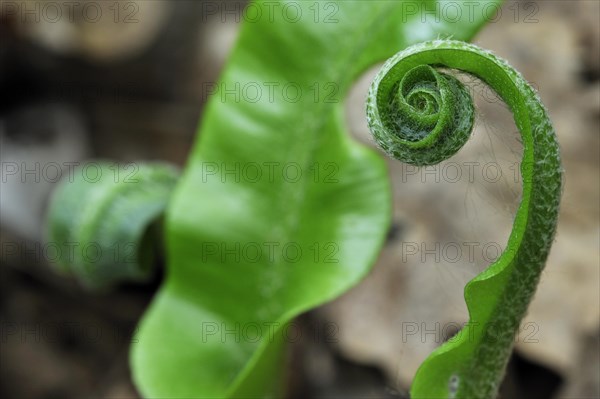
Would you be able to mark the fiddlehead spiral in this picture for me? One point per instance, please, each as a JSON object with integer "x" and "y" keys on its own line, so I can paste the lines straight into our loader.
{"x": 422, "y": 116}
{"x": 424, "y": 109}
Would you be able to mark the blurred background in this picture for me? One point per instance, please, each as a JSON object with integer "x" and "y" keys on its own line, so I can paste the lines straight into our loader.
{"x": 128, "y": 81}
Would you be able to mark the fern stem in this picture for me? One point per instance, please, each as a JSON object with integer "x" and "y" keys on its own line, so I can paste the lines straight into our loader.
{"x": 422, "y": 116}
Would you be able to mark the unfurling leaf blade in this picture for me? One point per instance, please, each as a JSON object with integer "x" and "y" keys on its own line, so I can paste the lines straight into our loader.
{"x": 194, "y": 340}
{"x": 101, "y": 218}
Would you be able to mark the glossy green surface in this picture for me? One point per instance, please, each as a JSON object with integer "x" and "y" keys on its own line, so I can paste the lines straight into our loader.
{"x": 278, "y": 210}
{"x": 472, "y": 364}
{"x": 184, "y": 349}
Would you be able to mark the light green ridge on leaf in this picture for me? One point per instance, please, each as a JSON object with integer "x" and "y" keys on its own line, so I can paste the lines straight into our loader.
{"x": 422, "y": 116}
{"x": 187, "y": 343}
{"x": 100, "y": 219}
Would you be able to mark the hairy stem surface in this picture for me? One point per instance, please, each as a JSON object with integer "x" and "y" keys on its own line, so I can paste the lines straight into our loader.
{"x": 422, "y": 116}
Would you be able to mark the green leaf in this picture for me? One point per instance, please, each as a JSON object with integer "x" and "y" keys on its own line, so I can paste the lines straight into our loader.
{"x": 100, "y": 221}
{"x": 195, "y": 339}
{"x": 436, "y": 116}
